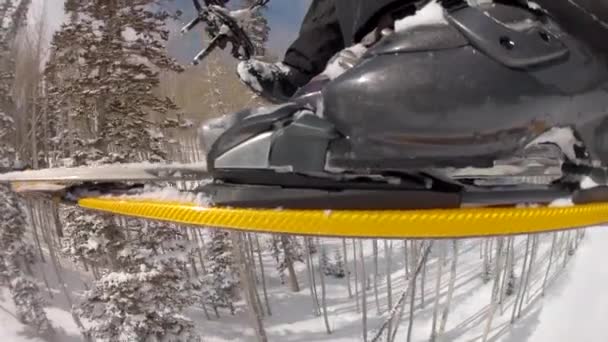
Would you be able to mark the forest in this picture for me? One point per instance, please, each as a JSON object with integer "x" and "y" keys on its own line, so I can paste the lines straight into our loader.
{"x": 104, "y": 89}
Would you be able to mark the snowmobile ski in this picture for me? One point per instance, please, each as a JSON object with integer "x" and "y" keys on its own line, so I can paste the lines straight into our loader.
{"x": 61, "y": 179}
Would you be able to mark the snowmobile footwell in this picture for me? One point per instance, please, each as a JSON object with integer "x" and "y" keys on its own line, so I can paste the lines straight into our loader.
{"x": 398, "y": 224}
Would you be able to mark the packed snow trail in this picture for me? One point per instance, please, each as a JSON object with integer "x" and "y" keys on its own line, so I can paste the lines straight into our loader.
{"x": 576, "y": 306}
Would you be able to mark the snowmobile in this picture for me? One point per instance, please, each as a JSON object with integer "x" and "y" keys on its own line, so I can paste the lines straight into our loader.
{"x": 491, "y": 104}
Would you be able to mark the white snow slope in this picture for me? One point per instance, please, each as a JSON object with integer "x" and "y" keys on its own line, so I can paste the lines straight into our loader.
{"x": 576, "y": 306}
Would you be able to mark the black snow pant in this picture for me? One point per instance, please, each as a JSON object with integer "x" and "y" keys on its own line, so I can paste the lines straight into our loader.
{"x": 331, "y": 25}
{"x": 319, "y": 39}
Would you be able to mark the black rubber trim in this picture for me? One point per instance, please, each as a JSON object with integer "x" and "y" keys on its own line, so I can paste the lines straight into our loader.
{"x": 271, "y": 197}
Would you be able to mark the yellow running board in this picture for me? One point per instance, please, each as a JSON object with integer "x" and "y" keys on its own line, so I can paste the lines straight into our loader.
{"x": 428, "y": 224}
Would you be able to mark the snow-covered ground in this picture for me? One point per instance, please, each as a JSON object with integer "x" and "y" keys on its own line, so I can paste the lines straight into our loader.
{"x": 576, "y": 307}
{"x": 573, "y": 309}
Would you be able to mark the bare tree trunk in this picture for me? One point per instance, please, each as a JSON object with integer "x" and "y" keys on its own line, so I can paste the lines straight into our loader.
{"x": 293, "y": 280}
{"x": 529, "y": 276}
{"x": 422, "y": 281}
{"x": 346, "y": 269}
{"x": 486, "y": 262}
{"x": 448, "y": 302}
{"x": 414, "y": 256}
{"x": 252, "y": 271}
{"x": 566, "y": 236}
{"x": 46, "y": 282}
{"x": 56, "y": 220}
{"x": 550, "y": 262}
{"x": 363, "y": 291}
{"x": 323, "y": 294}
{"x": 254, "y": 315}
{"x": 405, "y": 260}
{"x": 375, "y": 248}
{"x": 191, "y": 255}
{"x": 252, "y": 257}
{"x": 495, "y": 288}
{"x": 398, "y": 307}
{"x": 521, "y": 282}
{"x": 311, "y": 283}
{"x": 506, "y": 273}
{"x": 314, "y": 275}
{"x": 265, "y": 291}
{"x": 437, "y": 289}
{"x": 388, "y": 251}
{"x": 200, "y": 242}
{"x": 356, "y": 274}
{"x": 30, "y": 204}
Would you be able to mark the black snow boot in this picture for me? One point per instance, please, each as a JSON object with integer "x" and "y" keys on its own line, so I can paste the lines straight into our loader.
{"x": 276, "y": 82}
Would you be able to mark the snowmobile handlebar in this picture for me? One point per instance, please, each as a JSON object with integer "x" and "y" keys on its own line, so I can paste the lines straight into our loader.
{"x": 224, "y": 26}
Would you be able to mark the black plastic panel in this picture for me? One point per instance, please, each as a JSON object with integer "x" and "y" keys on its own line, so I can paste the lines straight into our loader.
{"x": 302, "y": 145}
{"x": 513, "y": 48}
{"x": 421, "y": 38}
{"x": 246, "y": 124}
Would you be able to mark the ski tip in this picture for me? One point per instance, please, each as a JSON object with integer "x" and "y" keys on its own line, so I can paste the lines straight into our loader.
{"x": 37, "y": 187}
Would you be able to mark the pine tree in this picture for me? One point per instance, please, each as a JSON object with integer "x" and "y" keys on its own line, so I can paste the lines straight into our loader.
{"x": 104, "y": 65}
{"x": 292, "y": 253}
{"x": 338, "y": 265}
{"x": 29, "y": 303}
{"x": 106, "y": 62}
{"x": 92, "y": 238}
{"x": 220, "y": 284}
{"x": 286, "y": 250}
{"x": 15, "y": 257}
{"x": 144, "y": 299}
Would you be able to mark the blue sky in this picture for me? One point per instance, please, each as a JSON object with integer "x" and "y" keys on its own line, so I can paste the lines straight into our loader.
{"x": 284, "y": 17}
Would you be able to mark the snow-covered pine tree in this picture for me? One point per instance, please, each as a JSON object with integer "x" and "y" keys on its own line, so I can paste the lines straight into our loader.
{"x": 29, "y": 304}
{"x": 338, "y": 264}
{"x": 16, "y": 256}
{"x": 101, "y": 75}
{"x": 92, "y": 238}
{"x": 114, "y": 51}
{"x": 286, "y": 250}
{"x": 144, "y": 300}
{"x": 221, "y": 283}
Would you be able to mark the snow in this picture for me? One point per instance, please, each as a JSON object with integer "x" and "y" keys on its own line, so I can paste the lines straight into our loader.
{"x": 533, "y": 5}
{"x": 170, "y": 194}
{"x": 247, "y": 77}
{"x": 562, "y": 137}
{"x": 576, "y": 307}
{"x": 562, "y": 202}
{"x": 588, "y": 183}
{"x": 340, "y": 62}
{"x": 431, "y": 14}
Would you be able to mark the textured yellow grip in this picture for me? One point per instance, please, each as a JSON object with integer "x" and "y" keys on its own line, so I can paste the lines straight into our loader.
{"x": 448, "y": 223}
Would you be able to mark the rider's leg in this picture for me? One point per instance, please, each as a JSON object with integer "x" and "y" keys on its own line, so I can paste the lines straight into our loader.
{"x": 319, "y": 39}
